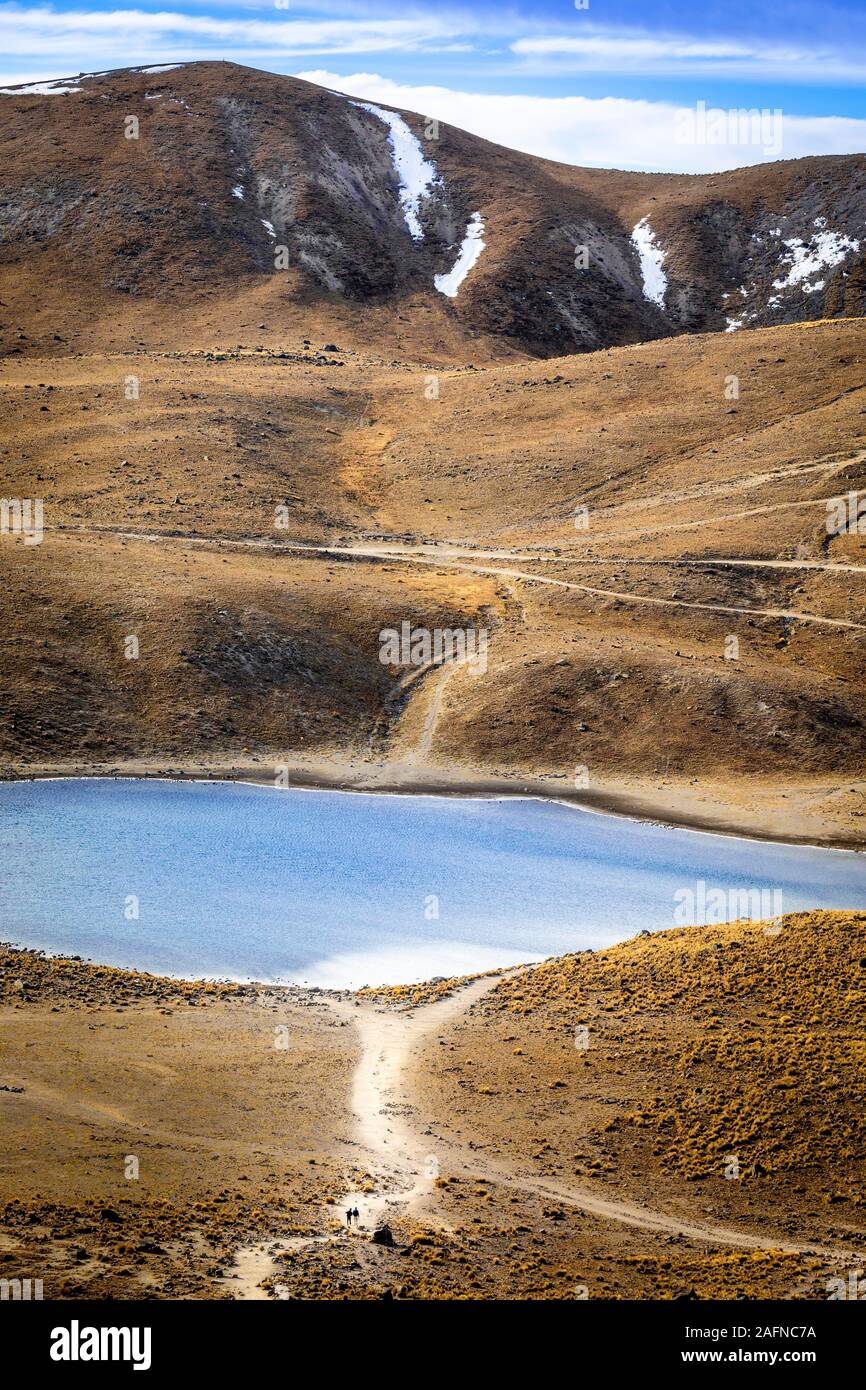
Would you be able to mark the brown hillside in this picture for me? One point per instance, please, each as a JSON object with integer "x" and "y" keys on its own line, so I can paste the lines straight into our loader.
{"x": 168, "y": 240}
{"x": 705, "y": 1045}
{"x": 706, "y": 524}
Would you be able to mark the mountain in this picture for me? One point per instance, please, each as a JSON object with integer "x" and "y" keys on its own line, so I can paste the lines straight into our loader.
{"x": 666, "y": 606}
{"x": 255, "y": 471}
{"x": 421, "y": 239}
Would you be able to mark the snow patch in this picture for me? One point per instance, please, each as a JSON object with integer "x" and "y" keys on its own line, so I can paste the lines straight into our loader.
{"x": 825, "y": 249}
{"x": 59, "y": 86}
{"x": 268, "y": 226}
{"x": 238, "y": 191}
{"x": 42, "y": 89}
{"x": 651, "y": 255}
{"x": 416, "y": 174}
{"x": 470, "y": 249}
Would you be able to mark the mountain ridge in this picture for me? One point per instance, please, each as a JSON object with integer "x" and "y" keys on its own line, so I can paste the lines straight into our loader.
{"x": 230, "y": 164}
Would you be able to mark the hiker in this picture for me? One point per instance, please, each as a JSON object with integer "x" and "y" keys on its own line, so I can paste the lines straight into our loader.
{"x": 356, "y": 1214}
{"x": 349, "y": 1217}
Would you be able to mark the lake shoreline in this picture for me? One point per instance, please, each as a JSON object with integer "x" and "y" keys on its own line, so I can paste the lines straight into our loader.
{"x": 674, "y": 807}
{"x": 238, "y": 882}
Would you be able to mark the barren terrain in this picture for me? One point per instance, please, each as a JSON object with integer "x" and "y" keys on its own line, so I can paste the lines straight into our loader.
{"x": 247, "y": 476}
{"x": 160, "y": 235}
{"x": 631, "y": 539}
{"x": 677, "y": 1116}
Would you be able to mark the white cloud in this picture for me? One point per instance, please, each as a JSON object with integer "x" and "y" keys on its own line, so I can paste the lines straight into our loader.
{"x": 631, "y": 52}
{"x": 609, "y": 132}
{"x": 261, "y": 34}
{"x": 642, "y": 49}
{"x": 44, "y": 43}
{"x": 109, "y": 34}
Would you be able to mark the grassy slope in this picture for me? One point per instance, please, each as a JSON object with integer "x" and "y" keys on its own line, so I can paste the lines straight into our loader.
{"x": 703, "y": 1042}
{"x": 250, "y": 653}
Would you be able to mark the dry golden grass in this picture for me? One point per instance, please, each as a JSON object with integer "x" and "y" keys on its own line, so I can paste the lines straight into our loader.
{"x": 708, "y": 1047}
{"x": 704, "y": 1042}
{"x": 252, "y": 653}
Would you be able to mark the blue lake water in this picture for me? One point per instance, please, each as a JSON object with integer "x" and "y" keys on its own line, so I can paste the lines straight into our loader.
{"x": 344, "y": 889}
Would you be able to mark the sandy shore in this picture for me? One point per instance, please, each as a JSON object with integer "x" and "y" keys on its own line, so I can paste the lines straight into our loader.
{"x": 815, "y": 813}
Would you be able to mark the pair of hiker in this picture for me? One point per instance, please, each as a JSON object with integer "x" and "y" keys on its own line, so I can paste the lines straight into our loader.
{"x": 352, "y": 1212}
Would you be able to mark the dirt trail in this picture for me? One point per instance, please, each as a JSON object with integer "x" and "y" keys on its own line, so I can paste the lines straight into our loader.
{"x": 434, "y": 550}
{"x": 441, "y": 559}
{"x": 628, "y": 596}
{"x": 425, "y": 743}
{"x": 389, "y": 1144}
{"x": 395, "y": 1144}
{"x": 390, "y": 1141}
{"x": 253, "y": 1264}
{"x": 724, "y": 487}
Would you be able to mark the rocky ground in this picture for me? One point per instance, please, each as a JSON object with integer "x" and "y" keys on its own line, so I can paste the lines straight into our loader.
{"x": 678, "y": 1116}
{"x": 162, "y": 240}
{"x": 629, "y": 537}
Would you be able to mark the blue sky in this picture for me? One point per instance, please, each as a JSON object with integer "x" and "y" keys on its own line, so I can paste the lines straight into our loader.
{"x": 593, "y": 85}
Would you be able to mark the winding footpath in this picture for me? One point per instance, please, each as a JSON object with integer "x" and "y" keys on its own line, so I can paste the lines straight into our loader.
{"x": 466, "y": 561}
{"x": 392, "y": 1140}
